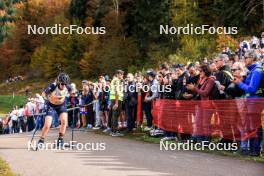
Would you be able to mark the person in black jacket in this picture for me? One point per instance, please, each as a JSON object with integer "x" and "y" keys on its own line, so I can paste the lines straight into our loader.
{"x": 179, "y": 84}
{"x": 130, "y": 98}
{"x": 169, "y": 95}
{"x": 224, "y": 79}
{"x": 223, "y": 74}
{"x": 73, "y": 102}
{"x": 166, "y": 94}
{"x": 193, "y": 79}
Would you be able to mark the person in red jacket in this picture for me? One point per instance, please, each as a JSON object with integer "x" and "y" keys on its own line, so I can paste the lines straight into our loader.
{"x": 204, "y": 89}
{"x": 205, "y": 84}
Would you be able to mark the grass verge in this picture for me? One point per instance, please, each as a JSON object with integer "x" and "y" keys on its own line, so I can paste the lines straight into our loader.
{"x": 7, "y": 102}
{"x": 5, "y": 169}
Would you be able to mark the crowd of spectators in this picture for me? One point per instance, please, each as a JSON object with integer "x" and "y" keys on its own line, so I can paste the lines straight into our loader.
{"x": 14, "y": 79}
{"x": 104, "y": 105}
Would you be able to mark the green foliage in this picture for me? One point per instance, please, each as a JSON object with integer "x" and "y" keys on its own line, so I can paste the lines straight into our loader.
{"x": 81, "y": 10}
{"x": 132, "y": 40}
{"x": 87, "y": 65}
{"x": 7, "y": 15}
{"x": 5, "y": 169}
{"x": 2, "y": 5}
{"x": 8, "y": 102}
{"x": 226, "y": 41}
{"x": 78, "y": 9}
{"x": 185, "y": 12}
{"x": 196, "y": 48}
{"x": 247, "y": 14}
{"x": 146, "y": 17}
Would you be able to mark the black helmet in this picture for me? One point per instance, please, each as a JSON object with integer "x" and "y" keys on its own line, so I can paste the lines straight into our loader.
{"x": 63, "y": 78}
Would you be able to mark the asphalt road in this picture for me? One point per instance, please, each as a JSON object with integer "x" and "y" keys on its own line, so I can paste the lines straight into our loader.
{"x": 121, "y": 157}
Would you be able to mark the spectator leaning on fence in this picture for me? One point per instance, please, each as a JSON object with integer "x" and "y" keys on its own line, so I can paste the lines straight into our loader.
{"x": 204, "y": 90}
{"x": 223, "y": 74}
{"x": 253, "y": 88}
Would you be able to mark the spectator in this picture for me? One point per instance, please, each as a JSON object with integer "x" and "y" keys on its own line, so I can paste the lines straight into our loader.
{"x": 29, "y": 113}
{"x": 86, "y": 106}
{"x": 21, "y": 119}
{"x": 168, "y": 135}
{"x": 205, "y": 84}
{"x": 204, "y": 89}
{"x": 252, "y": 86}
{"x": 14, "y": 119}
{"x": 223, "y": 74}
{"x": 73, "y": 102}
{"x": 179, "y": 84}
{"x": 7, "y": 124}
{"x": 116, "y": 98}
{"x": 104, "y": 103}
{"x": 151, "y": 95}
{"x": 130, "y": 99}
{"x": 193, "y": 79}
{"x": 96, "y": 107}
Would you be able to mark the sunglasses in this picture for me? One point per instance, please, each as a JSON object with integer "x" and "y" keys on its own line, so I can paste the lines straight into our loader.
{"x": 63, "y": 84}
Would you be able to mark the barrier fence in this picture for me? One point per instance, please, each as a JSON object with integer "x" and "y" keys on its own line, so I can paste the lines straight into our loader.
{"x": 230, "y": 119}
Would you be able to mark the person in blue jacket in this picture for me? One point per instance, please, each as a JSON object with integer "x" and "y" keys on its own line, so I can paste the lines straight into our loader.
{"x": 251, "y": 86}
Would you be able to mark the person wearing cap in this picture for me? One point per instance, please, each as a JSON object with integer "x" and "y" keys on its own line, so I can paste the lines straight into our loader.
{"x": 251, "y": 85}
{"x": 116, "y": 98}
